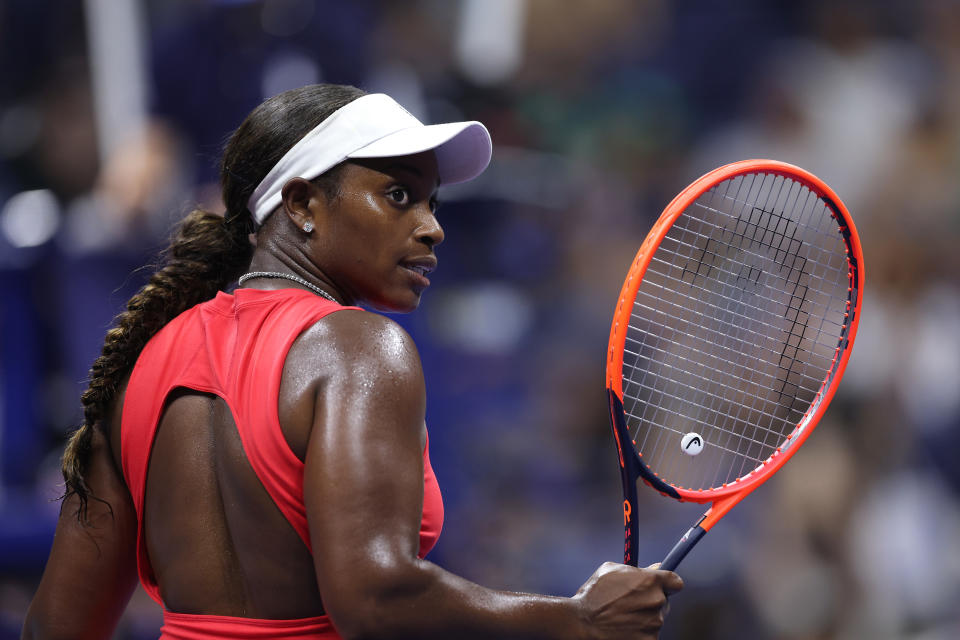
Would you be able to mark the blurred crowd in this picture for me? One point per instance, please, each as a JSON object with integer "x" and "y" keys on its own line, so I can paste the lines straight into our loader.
{"x": 600, "y": 111}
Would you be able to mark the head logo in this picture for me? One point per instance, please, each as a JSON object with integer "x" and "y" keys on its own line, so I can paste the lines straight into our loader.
{"x": 692, "y": 443}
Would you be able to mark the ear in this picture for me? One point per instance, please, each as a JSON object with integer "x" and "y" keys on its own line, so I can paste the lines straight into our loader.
{"x": 297, "y": 195}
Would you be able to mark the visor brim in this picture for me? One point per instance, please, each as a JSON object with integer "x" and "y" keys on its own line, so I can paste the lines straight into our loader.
{"x": 463, "y": 149}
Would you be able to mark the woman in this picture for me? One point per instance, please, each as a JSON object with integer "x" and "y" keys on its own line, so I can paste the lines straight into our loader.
{"x": 261, "y": 459}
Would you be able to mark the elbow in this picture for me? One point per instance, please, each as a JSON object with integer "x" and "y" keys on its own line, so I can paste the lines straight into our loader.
{"x": 362, "y": 629}
{"x": 379, "y": 603}
{"x": 378, "y": 624}
{"x": 39, "y": 624}
{"x": 34, "y": 629}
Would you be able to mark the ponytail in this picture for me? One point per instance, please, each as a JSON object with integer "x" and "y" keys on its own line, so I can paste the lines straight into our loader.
{"x": 207, "y": 253}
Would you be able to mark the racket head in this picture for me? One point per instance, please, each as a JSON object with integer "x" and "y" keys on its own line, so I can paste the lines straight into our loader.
{"x": 734, "y": 324}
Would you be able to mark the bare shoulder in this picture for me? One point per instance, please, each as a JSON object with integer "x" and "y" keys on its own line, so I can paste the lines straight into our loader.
{"x": 351, "y": 367}
{"x": 352, "y": 342}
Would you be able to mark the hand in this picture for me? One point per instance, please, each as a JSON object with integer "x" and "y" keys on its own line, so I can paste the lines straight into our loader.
{"x": 620, "y": 601}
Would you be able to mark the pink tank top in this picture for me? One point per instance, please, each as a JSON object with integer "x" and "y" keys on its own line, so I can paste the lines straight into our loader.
{"x": 234, "y": 346}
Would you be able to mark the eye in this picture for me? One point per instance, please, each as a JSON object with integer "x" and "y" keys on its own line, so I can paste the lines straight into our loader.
{"x": 434, "y": 205}
{"x": 400, "y": 195}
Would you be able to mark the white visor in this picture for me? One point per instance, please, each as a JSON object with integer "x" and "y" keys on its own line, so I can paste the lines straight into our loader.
{"x": 374, "y": 126}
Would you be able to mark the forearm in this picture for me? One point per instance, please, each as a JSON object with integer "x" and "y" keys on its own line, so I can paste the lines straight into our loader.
{"x": 78, "y": 613}
{"x": 40, "y": 626}
{"x": 423, "y": 601}
{"x": 92, "y": 569}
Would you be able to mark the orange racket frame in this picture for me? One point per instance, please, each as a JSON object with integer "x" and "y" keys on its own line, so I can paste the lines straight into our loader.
{"x": 632, "y": 466}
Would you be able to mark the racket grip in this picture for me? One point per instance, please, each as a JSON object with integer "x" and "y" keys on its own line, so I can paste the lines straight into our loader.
{"x": 682, "y": 548}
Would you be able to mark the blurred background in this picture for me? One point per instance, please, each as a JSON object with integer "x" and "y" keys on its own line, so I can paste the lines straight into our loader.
{"x": 112, "y": 117}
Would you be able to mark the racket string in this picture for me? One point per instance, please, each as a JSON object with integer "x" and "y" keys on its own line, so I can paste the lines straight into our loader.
{"x": 656, "y": 445}
{"x": 793, "y": 250}
{"x": 742, "y": 418}
{"x": 705, "y": 424}
{"x": 732, "y": 325}
{"x": 759, "y": 412}
{"x": 825, "y": 267}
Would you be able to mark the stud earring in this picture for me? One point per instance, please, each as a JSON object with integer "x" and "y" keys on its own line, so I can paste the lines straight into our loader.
{"x": 308, "y": 227}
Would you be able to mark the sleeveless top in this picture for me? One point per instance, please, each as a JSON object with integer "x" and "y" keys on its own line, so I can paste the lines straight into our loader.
{"x": 234, "y": 346}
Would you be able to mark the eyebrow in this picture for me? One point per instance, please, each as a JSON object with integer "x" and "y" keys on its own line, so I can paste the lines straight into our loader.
{"x": 404, "y": 166}
{"x": 408, "y": 168}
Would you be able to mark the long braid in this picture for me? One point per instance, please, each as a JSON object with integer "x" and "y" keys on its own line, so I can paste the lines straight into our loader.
{"x": 208, "y": 253}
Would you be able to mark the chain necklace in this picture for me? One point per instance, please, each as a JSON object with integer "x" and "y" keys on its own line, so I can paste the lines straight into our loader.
{"x": 287, "y": 276}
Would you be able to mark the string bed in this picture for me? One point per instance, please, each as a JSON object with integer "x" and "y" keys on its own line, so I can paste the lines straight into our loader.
{"x": 734, "y": 329}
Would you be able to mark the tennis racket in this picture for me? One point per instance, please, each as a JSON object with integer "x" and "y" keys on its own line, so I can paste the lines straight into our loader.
{"x": 731, "y": 334}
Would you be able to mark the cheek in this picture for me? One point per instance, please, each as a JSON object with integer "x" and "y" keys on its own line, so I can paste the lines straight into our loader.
{"x": 370, "y": 249}
{"x": 363, "y": 245}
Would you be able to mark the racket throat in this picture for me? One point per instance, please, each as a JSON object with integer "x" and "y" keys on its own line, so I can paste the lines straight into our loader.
{"x": 682, "y": 548}
{"x": 713, "y": 515}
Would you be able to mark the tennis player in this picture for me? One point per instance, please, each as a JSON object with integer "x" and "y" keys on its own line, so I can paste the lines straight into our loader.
{"x": 259, "y": 459}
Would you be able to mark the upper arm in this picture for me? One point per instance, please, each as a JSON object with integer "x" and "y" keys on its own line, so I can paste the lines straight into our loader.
{"x": 91, "y": 571}
{"x": 364, "y": 465}
{"x": 363, "y": 489}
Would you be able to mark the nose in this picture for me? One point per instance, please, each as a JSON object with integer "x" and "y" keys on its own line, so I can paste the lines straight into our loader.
{"x": 430, "y": 232}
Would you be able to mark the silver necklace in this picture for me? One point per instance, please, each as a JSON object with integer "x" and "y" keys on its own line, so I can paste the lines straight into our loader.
{"x": 287, "y": 276}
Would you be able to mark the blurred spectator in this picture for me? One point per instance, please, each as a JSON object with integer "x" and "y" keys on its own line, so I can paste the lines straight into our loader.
{"x": 600, "y": 113}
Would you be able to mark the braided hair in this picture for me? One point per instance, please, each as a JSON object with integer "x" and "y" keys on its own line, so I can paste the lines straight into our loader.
{"x": 208, "y": 252}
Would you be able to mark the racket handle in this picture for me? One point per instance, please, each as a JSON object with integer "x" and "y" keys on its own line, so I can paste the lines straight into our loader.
{"x": 682, "y": 548}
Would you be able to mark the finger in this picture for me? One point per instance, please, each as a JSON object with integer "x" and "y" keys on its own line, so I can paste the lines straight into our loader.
{"x": 672, "y": 583}
{"x": 654, "y": 566}
{"x": 612, "y": 567}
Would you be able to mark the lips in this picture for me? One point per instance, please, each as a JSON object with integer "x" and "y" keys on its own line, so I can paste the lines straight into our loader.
{"x": 423, "y": 265}
{"x": 420, "y": 268}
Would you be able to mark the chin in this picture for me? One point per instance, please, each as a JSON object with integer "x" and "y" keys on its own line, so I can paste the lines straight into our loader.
{"x": 405, "y": 304}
